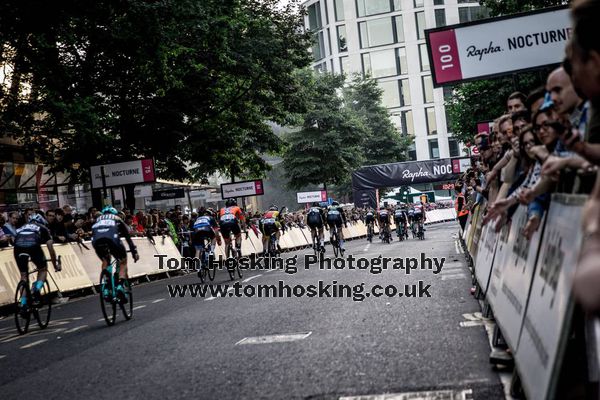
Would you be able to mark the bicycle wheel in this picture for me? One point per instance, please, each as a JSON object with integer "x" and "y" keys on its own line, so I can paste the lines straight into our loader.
{"x": 212, "y": 270}
{"x": 202, "y": 272}
{"x": 108, "y": 305}
{"x": 230, "y": 270}
{"x": 316, "y": 247}
{"x": 43, "y": 310}
{"x": 127, "y": 309}
{"x": 335, "y": 243}
{"x": 237, "y": 264}
{"x": 22, "y": 313}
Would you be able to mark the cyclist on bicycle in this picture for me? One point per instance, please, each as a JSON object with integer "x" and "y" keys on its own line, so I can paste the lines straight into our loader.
{"x": 370, "y": 220}
{"x": 106, "y": 233}
{"x": 232, "y": 220}
{"x": 270, "y": 223}
{"x": 29, "y": 240}
{"x": 401, "y": 218}
{"x": 315, "y": 218}
{"x": 384, "y": 221}
{"x": 205, "y": 227}
{"x": 419, "y": 214}
{"x": 335, "y": 217}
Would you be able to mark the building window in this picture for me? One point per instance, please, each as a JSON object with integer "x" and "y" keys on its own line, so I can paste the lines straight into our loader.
{"x": 412, "y": 152}
{"x": 399, "y": 28}
{"x": 379, "y": 64}
{"x": 440, "y": 17}
{"x": 431, "y": 123}
{"x": 404, "y": 92}
{"x": 424, "y": 56}
{"x": 467, "y": 1}
{"x": 420, "y": 18}
{"x": 397, "y": 5}
{"x": 434, "y": 150}
{"x": 438, "y": 2}
{"x": 466, "y": 14}
{"x": 345, "y": 65}
{"x": 339, "y": 10}
{"x": 372, "y": 7}
{"x": 341, "y": 36}
{"x": 453, "y": 147}
{"x": 447, "y": 93}
{"x": 329, "y": 41}
{"x": 406, "y": 122}
{"x": 314, "y": 16}
{"x": 318, "y": 48}
{"x": 427, "y": 89}
{"x": 391, "y": 94}
{"x": 418, "y": 3}
{"x": 376, "y": 32}
{"x": 321, "y": 67}
{"x": 402, "y": 61}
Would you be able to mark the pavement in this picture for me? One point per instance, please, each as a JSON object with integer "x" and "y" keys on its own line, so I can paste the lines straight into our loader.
{"x": 270, "y": 348}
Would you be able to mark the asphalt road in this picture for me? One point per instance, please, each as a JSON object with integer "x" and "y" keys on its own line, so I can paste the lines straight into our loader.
{"x": 294, "y": 348}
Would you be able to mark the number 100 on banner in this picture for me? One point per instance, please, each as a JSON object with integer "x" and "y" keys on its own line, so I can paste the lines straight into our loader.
{"x": 498, "y": 46}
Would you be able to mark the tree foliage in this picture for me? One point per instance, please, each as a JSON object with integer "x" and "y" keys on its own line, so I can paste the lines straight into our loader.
{"x": 188, "y": 82}
{"x": 483, "y": 100}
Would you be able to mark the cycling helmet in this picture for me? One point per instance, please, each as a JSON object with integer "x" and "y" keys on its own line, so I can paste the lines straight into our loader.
{"x": 315, "y": 204}
{"x": 230, "y": 203}
{"x": 273, "y": 208}
{"x": 335, "y": 203}
{"x": 110, "y": 210}
{"x": 38, "y": 219}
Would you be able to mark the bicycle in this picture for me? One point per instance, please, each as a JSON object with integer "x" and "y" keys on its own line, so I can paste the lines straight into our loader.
{"x": 386, "y": 234}
{"x": 272, "y": 250}
{"x": 370, "y": 233}
{"x": 235, "y": 254}
{"x": 400, "y": 231}
{"x": 40, "y": 307}
{"x": 420, "y": 231}
{"x": 335, "y": 242}
{"x": 109, "y": 297}
{"x": 206, "y": 267}
{"x": 317, "y": 248}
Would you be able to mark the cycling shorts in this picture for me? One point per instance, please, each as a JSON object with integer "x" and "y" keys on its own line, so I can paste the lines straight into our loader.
{"x": 384, "y": 219}
{"x": 315, "y": 223}
{"x": 199, "y": 236}
{"x": 418, "y": 217}
{"x": 335, "y": 221}
{"x": 269, "y": 229}
{"x": 369, "y": 219}
{"x": 105, "y": 246}
{"x": 230, "y": 227}
{"x": 36, "y": 255}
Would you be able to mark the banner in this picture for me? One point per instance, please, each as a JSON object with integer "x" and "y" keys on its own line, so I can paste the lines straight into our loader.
{"x": 242, "y": 189}
{"x": 311, "y": 197}
{"x": 125, "y": 173}
{"x": 168, "y": 194}
{"x": 511, "y": 279}
{"x": 547, "y": 320}
{"x": 408, "y": 173}
{"x": 365, "y": 198}
{"x": 497, "y": 46}
{"x": 486, "y": 255}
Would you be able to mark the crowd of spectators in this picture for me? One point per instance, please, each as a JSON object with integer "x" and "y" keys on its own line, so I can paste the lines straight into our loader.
{"x": 548, "y": 141}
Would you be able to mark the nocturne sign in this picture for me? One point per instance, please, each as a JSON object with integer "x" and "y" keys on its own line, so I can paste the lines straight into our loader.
{"x": 498, "y": 46}
{"x": 405, "y": 173}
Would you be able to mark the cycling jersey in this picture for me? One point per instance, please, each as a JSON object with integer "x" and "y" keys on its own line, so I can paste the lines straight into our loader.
{"x": 106, "y": 233}
{"x": 204, "y": 223}
{"x": 314, "y": 217}
{"x": 400, "y": 216}
{"x": 384, "y": 216}
{"x": 229, "y": 215}
{"x": 335, "y": 215}
{"x": 369, "y": 217}
{"x": 32, "y": 235}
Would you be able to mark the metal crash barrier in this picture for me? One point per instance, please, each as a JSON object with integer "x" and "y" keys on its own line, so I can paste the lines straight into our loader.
{"x": 527, "y": 286}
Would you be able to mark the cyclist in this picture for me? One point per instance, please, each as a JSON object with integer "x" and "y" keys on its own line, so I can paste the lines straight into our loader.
{"x": 205, "y": 227}
{"x": 401, "y": 218}
{"x": 336, "y": 216}
{"x": 271, "y": 222}
{"x": 419, "y": 214}
{"x": 230, "y": 218}
{"x": 315, "y": 218}
{"x": 106, "y": 233}
{"x": 28, "y": 240}
{"x": 411, "y": 219}
{"x": 384, "y": 221}
{"x": 370, "y": 220}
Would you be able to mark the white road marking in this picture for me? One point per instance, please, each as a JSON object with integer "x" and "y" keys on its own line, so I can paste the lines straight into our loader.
{"x": 157, "y": 301}
{"x": 367, "y": 248}
{"x": 465, "y": 394}
{"x": 34, "y": 344}
{"x": 34, "y": 333}
{"x": 286, "y": 337}
{"x": 2, "y": 356}
{"x": 138, "y": 307}
{"x": 75, "y": 329}
{"x": 468, "y": 324}
{"x": 252, "y": 277}
{"x": 210, "y": 298}
{"x": 456, "y": 247}
{"x": 450, "y": 277}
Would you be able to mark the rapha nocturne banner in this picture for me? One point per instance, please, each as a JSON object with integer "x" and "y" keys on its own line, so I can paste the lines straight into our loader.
{"x": 497, "y": 46}
{"x": 408, "y": 173}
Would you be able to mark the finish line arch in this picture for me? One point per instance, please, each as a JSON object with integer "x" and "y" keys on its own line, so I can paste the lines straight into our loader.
{"x": 367, "y": 179}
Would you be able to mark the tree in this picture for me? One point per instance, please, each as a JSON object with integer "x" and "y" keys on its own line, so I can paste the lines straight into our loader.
{"x": 483, "y": 100}
{"x": 327, "y": 148}
{"x": 190, "y": 83}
